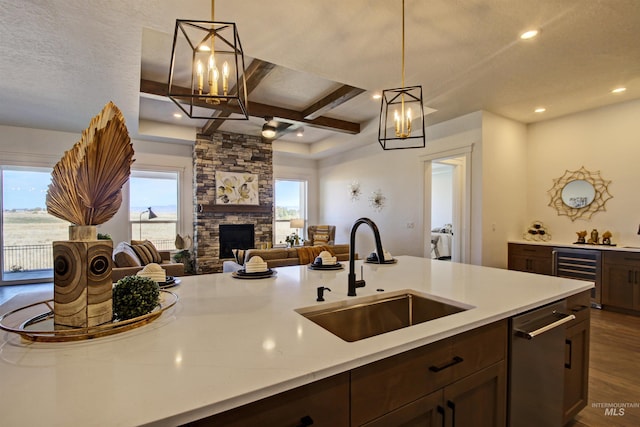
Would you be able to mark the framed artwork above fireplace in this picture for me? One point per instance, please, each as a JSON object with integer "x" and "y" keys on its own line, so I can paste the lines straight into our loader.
{"x": 236, "y": 188}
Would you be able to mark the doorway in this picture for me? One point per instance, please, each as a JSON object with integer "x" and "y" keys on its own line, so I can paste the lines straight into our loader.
{"x": 448, "y": 196}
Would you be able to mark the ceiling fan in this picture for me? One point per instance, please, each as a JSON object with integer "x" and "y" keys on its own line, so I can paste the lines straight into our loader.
{"x": 272, "y": 129}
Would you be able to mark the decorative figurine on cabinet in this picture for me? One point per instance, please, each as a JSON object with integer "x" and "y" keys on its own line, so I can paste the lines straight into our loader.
{"x": 594, "y": 237}
{"x": 606, "y": 238}
{"x": 581, "y": 235}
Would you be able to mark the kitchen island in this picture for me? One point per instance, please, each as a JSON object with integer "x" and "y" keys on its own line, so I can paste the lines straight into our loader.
{"x": 229, "y": 342}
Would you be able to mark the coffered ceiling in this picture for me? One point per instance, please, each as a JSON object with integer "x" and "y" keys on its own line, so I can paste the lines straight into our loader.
{"x": 63, "y": 60}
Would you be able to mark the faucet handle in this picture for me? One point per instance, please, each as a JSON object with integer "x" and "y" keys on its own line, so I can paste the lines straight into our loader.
{"x": 361, "y": 283}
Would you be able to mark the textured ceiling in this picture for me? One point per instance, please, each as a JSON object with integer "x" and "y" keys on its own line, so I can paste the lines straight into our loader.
{"x": 61, "y": 61}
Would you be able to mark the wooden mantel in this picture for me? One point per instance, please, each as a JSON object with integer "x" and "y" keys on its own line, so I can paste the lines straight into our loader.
{"x": 235, "y": 208}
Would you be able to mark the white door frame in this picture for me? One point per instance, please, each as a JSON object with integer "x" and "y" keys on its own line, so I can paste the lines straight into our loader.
{"x": 461, "y": 159}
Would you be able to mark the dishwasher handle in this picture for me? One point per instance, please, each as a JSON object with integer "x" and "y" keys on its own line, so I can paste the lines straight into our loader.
{"x": 556, "y": 319}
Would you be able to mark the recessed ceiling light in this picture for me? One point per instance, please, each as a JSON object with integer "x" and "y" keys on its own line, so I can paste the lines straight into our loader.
{"x": 376, "y": 96}
{"x": 619, "y": 90}
{"x": 177, "y": 115}
{"x": 300, "y": 132}
{"x": 529, "y": 34}
{"x": 540, "y": 110}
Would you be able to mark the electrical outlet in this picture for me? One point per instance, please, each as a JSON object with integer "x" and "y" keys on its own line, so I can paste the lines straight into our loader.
{"x": 410, "y": 225}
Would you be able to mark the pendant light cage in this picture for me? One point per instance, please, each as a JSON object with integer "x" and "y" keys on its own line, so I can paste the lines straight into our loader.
{"x": 402, "y": 114}
{"x": 202, "y": 87}
{"x": 392, "y": 102}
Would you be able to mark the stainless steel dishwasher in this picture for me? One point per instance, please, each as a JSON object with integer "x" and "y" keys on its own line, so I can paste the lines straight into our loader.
{"x": 536, "y": 366}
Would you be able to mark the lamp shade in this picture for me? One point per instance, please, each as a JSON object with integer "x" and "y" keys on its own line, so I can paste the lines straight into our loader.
{"x": 296, "y": 223}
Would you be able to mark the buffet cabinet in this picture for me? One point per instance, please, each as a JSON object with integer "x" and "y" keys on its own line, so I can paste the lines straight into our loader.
{"x": 615, "y": 272}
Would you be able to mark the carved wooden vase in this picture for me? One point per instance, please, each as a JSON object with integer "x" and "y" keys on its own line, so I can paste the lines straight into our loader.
{"x": 82, "y": 279}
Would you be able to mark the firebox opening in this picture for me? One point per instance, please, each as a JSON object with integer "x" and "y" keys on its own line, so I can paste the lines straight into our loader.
{"x": 235, "y": 236}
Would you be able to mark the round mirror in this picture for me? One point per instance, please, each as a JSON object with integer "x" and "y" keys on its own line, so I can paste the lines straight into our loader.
{"x": 578, "y": 194}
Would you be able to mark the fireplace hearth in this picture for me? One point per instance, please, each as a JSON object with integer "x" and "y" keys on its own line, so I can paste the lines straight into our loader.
{"x": 235, "y": 236}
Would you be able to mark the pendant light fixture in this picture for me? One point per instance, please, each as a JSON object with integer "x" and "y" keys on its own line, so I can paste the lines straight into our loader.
{"x": 402, "y": 114}
{"x": 207, "y": 72}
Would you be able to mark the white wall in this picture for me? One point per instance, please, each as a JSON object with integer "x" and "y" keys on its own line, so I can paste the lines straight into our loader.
{"x": 400, "y": 175}
{"x": 606, "y": 140}
{"x": 442, "y": 196}
{"x": 35, "y": 147}
{"x": 504, "y": 177}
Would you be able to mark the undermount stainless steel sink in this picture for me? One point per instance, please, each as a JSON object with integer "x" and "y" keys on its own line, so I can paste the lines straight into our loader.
{"x": 366, "y": 317}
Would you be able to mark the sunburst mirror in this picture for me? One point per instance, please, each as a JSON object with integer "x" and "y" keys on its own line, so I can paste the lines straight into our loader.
{"x": 579, "y": 193}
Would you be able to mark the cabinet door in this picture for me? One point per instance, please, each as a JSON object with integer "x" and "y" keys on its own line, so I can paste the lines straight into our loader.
{"x": 389, "y": 384}
{"x": 530, "y": 258}
{"x": 322, "y": 403}
{"x": 424, "y": 412}
{"x": 617, "y": 287}
{"x": 576, "y": 372}
{"x": 478, "y": 400}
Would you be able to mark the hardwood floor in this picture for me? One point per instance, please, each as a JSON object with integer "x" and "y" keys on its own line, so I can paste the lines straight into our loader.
{"x": 614, "y": 372}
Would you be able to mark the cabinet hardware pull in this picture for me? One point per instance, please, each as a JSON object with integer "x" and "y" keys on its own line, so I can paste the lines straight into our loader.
{"x": 452, "y": 405}
{"x": 440, "y": 410}
{"x": 305, "y": 421}
{"x": 557, "y": 319}
{"x": 454, "y": 361}
{"x": 570, "y": 344}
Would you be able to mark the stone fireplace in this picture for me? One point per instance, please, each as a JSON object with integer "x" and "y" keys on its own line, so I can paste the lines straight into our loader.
{"x": 228, "y": 152}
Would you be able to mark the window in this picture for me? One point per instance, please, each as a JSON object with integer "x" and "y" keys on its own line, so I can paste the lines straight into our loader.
{"x": 291, "y": 203}
{"x": 27, "y": 229}
{"x": 153, "y": 207}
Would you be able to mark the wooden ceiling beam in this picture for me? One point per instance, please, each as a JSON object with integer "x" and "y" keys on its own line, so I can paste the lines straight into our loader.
{"x": 261, "y": 110}
{"x": 254, "y": 74}
{"x": 331, "y": 101}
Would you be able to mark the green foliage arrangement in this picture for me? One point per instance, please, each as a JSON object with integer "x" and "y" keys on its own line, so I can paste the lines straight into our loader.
{"x": 184, "y": 256}
{"x": 134, "y": 296}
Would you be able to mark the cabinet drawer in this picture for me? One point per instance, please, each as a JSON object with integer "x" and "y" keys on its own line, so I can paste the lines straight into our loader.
{"x": 480, "y": 348}
{"x": 381, "y": 387}
{"x": 625, "y": 258}
{"x": 325, "y": 403}
{"x": 530, "y": 250}
{"x": 579, "y": 305}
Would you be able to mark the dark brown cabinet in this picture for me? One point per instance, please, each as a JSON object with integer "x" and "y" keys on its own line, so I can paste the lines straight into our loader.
{"x": 322, "y": 403}
{"x": 457, "y": 381}
{"x": 621, "y": 281}
{"x": 576, "y": 361}
{"x": 530, "y": 258}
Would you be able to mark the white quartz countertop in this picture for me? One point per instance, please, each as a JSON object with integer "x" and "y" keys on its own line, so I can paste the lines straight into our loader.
{"x": 578, "y": 245}
{"x": 228, "y": 342}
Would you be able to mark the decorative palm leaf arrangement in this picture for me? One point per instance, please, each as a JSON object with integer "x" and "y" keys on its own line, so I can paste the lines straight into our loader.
{"x": 86, "y": 183}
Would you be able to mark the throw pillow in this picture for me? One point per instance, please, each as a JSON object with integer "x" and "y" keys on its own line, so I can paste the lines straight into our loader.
{"x": 320, "y": 239}
{"x": 238, "y": 255}
{"x": 125, "y": 256}
{"x": 146, "y": 252}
